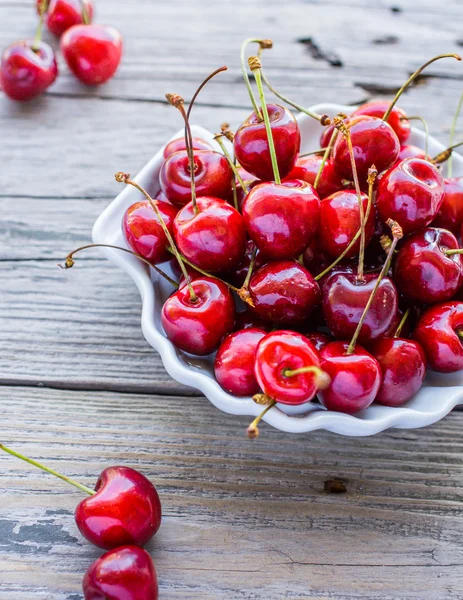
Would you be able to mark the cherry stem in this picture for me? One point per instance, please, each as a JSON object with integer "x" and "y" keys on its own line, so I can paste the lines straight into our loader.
{"x": 452, "y": 133}
{"x": 34, "y": 463}
{"x": 246, "y": 76}
{"x": 250, "y": 268}
{"x": 322, "y": 379}
{"x": 319, "y": 151}
{"x": 445, "y": 154}
{"x": 218, "y": 139}
{"x": 397, "y": 235}
{"x": 322, "y": 119}
{"x": 38, "y": 32}
{"x": 196, "y": 94}
{"x": 426, "y": 131}
{"x": 451, "y": 252}
{"x": 398, "y": 331}
{"x": 125, "y": 178}
{"x": 459, "y": 333}
{"x": 412, "y": 78}
{"x": 69, "y": 261}
{"x": 253, "y": 429}
{"x": 255, "y": 65}
{"x": 326, "y": 155}
{"x": 85, "y": 14}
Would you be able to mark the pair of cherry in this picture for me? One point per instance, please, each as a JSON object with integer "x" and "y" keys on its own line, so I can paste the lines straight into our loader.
{"x": 92, "y": 52}
{"x": 121, "y": 515}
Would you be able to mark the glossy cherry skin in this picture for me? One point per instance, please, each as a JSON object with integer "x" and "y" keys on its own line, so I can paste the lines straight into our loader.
{"x": 125, "y": 510}
{"x": 179, "y": 144}
{"x": 411, "y": 151}
{"x": 278, "y": 352}
{"x": 326, "y": 135}
{"x": 355, "y": 378}
{"x": 410, "y": 193}
{"x": 251, "y": 143}
{"x": 125, "y": 573}
{"x": 440, "y": 333}
{"x": 403, "y": 365}
{"x": 284, "y": 292}
{"x": 213, "y": 176}
{"x": 306, "y": 169}
{"x": 234, "y": 362}
{"x": 25, "y": 73}
{"x": 318, "y": 340}
{"x": 340, "y": 221}
{"x": 378, "y": 108}
{"x": 63, "y": 14}
{"x": 344, "y": 300}
{"x": 92, "y": 52}
{"x": 199, "y": 327}
{"x": 237, "y": 275}
{"x": 315, "y": 260}
{"x": 144, "y": 233}
{"x": 281, "y": 219}
{"x": 214, "y": 239}
{"x": 248, "y": 320}
{"x": 450, "y": 215}
{"x": 374, "y": 143}
{"x": 422, "y": 270}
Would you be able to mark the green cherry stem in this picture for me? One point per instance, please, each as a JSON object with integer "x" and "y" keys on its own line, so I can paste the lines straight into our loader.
{"x": 125, "y": 178}
{"x": 38, "y": 32}
{"x": 452, "y": 134}
{"x": 69, "y": 261}
{"x": 244, "y": 293}
{"x": 397, "y": 234}
{"x": 34, "y": 463}
{"x": 85, "y": 14}
{"x": 426, "y": 130}
{"x": 255, "y": 66}
{"x": 218, "y": 139}
{"x": 321, "y": 378}
{"x": 319, "y": 151}
{"x": 398, "y": 331}
{"x": 372, "y": 173}
{"x": 326, "y": 155}
{"x": 253, "y": 429}
{"x": 412, "y": 78}
{"x": 244, "y": 70}
{"x": 451, "y": 252}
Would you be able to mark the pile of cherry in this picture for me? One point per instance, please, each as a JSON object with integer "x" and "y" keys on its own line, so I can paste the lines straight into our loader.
{"x": 121, "y": 515}
{"x": 346, "y": 260}
{"x": 92, "y": 52}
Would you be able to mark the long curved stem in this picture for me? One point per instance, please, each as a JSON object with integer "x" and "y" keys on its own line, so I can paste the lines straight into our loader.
{"x": 38, "y": 32}
{"x": 452, "y": 134}
{"x": 246, "y": 76}
{"x": 326, "y": 155}
{"x": 253, "y": 429}
{"x": 218, "y": 139}
{"x": 35, "y": 463}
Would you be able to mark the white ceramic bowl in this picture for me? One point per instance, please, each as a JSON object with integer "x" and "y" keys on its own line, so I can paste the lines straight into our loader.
{"x": 440, "y": 394}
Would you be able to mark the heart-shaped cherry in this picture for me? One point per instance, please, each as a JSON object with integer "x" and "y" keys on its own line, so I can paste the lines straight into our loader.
{"x": 411, "y": 193}
{"x": 180, "y": 144}
{"x": 27, "y": 69}
{"x": 440, "y": 333}
{"x": 307, "y": 168}
{"x": 397, "y": 119}
{"x": 450, "y": 215}
{"x": 126, "y": 573}
{"x": 423, "y": 270}
{"x": 63, "y": 14}
{"x": 234, "y": 362}
{"x": 281, "y": 219}
{"x": 198, "y": 325}
{"x": 92, "y": 52}
{"x": 403, "y": 366}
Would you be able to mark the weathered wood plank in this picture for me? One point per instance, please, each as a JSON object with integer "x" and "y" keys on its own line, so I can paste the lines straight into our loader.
{"x": 242, "y": 519}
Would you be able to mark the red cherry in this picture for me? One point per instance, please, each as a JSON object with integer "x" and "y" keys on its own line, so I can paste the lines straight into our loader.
{"x": 340, "y": 221}
{"x": 374, "y": 143}
{"x": 25, "y": 72}
{"x": 126, "y": 573}
{"x": 411, "y": 151}
{"x": 410, "y": 193}
{"x": 213, "y": 176}
{"x": 251, "y": 143}
{"x": 397, "y": 119}
{"x": 306, "y": 169}
{"x": 144, "y": 233}
{"x": 345, "y": 298}
{"x": 440, "y": 333}
{"x": 92, "y": 52}
{"x": 355, "y": 378}
{"x": 63, "y": 14}
{"x": 278, "y": 354}
{"x": 234, "y": 362}
{"x": 247, "y": 320}
{"x": 125, "y": 510}
{"x": 198, "y": 327}
{"x": 284, "y": 292}
{"x": 179, "y": 144}
{"x": 450, "y": 215}
{"x": 315, "y": 260}
{"x": 281, "y": 219}
{"x": 403, "y": 365}
{"x": 318, "y": 340}
{"x": 215, "y": 238}
{"x": 423, "y": 271}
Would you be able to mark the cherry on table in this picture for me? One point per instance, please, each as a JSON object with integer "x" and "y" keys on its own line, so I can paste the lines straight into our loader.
{"x": 125, "y": 573}
{"x": 92, "y": 52}
{"x": 27, "y": 69}
{"x": 63, "y": 14}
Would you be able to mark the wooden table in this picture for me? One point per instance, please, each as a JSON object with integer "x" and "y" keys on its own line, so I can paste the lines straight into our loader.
{"x": 80, "y": 387}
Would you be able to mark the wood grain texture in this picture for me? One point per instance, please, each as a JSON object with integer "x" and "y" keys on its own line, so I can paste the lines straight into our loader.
{"x": 242, "y": 519}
